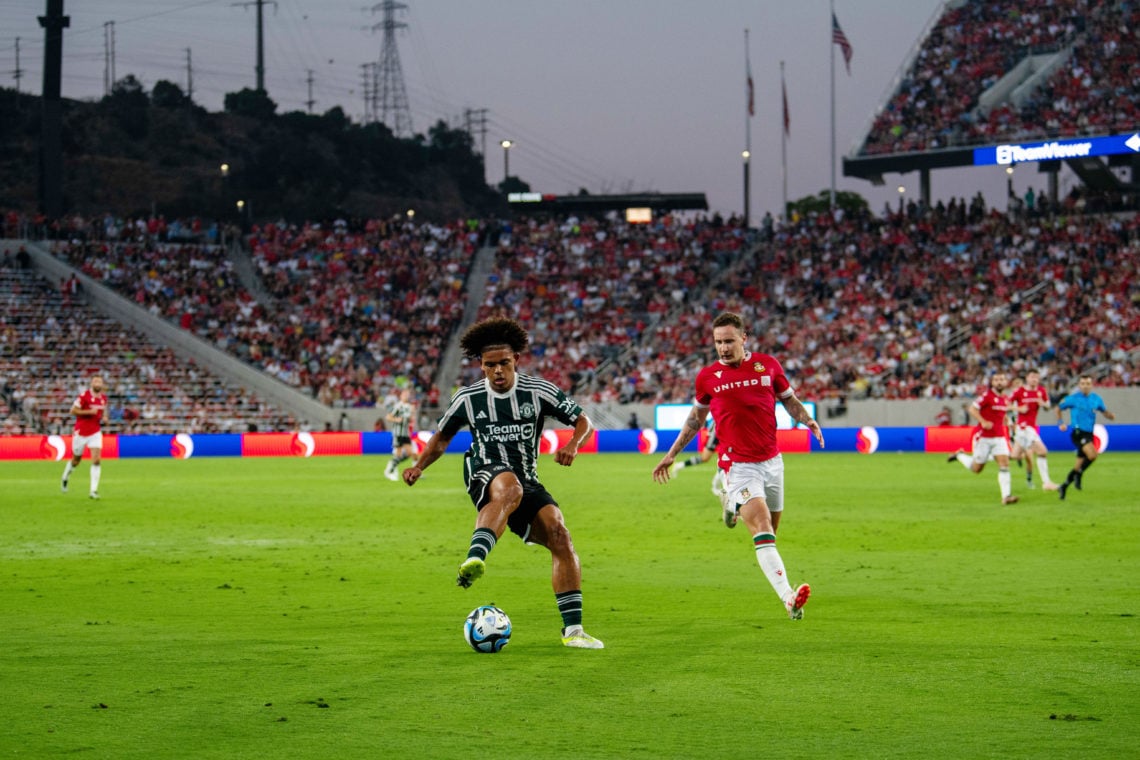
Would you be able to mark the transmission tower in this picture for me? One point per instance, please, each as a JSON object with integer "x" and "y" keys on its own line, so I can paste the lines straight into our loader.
{"x": 391, "y": 96}
{"x": 475, "y": 122}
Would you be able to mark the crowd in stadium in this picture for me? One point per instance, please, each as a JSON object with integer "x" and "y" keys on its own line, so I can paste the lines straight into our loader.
{"x": 51, "y": 342}
{"x": 974, "y": 44}
{"x": 920, "y": 303}
{"x": 343, "y": 315}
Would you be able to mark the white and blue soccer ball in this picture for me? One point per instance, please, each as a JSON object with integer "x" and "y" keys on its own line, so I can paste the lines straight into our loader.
{"x": 487, "y": 629}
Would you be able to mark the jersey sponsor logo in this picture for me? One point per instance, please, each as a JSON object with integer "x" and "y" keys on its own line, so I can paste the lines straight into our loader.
{"x": 718, "y": 374}
{"x": 567, "y": 405}
{"x": 740, "y": 384}
{"x": 481, "y": 415}
{"x": 766, "y": 380}
{"x": 508, "y": 433}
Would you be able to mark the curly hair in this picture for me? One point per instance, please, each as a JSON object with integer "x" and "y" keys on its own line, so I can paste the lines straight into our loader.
{"x": 494, "y": 333}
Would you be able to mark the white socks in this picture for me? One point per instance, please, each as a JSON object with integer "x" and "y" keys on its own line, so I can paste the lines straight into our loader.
{"x": 1003, "y": 482}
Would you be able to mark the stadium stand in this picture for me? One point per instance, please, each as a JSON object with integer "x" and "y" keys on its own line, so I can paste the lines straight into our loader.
{"x": 939, "y": 102}
{"x": 353, "y": 312}
{"x": 51, "y": 342}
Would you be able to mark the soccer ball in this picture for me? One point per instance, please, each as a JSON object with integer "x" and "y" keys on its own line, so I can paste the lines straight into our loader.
{"x": 487, "y": 629}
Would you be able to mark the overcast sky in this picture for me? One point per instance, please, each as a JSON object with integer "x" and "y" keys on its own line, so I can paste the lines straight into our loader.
{"x": 610, "y": 95}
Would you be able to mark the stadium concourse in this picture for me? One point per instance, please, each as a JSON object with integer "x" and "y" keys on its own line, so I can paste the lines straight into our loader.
{"x": 917, "y": 304}
{"x": 972, "y": 45}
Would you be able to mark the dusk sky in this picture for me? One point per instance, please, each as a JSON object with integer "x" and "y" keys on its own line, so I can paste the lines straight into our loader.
{"x": 609, "y": 95}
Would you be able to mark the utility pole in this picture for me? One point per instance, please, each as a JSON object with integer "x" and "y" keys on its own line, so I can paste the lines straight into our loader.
{"x": 17, "y": 73}
{"x": 309, "y": 81}
{"x": 108, "y": 57}
{"x": 259, "y": 69}
{"x": 391, "y": 93}
{"x": 51, "y": 151}
{"x": 368, "y": 77}
{"x": 189, "y": 78}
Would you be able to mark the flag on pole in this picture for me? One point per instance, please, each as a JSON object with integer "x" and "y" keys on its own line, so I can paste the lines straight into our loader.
{"x": 840, "y": 39}
{"x": 751, "y": 90}
{"x": 787, "y": 117}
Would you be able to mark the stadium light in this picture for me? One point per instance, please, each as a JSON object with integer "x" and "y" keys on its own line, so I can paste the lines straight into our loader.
{"x": 225, "y": 169}
{"x": 506, "y": 158}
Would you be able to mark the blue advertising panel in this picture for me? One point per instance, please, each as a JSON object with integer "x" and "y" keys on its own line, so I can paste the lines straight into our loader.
{"x": 1057, "y": 150}
{"x": 140, "y": 446}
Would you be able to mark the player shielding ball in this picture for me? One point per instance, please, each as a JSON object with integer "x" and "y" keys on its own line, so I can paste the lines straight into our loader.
{"x": 90, "y": 410}
{"x": 505, "y": 412}
{"x": 740, "y": 389}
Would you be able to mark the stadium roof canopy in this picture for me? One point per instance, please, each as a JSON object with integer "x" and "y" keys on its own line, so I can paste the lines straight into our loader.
{"x": 595, "y": 203}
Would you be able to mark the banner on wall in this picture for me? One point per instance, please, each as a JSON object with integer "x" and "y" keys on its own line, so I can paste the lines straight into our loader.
{"x": 864, "y": 440}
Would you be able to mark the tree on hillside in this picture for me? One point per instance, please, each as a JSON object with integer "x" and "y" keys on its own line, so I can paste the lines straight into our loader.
{"x": 167, "y": 94}
{"x": 129, "y": 104}
{"x": 253, "y": 103}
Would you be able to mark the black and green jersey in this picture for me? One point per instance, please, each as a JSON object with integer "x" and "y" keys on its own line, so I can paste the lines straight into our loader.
{"x": 401, "y": 427}
{"x": 506, "y": 428}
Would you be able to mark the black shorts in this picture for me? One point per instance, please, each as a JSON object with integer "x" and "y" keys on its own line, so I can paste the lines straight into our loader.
{"x": 401, "y": 440}
{"x": 1080, "y": 438}
{"x": 535, "y": 497}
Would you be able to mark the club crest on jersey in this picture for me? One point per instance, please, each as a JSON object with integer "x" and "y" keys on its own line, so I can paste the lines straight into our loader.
{"x": 757, "y": 367}
{"x": 745, "y": 494}
{"x": 526, "y": 410}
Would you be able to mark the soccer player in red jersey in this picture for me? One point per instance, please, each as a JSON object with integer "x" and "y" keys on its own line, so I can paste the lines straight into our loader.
{"x": 1027, "y": 400}
{"x": 90, "y": 410}
{"x": 741, "y": 389}
{"x": 989, "y": 410}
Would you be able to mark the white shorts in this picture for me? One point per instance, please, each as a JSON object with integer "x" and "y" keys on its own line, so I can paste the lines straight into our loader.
{"x": 984, "y": 448}
{"x": 80, "y": 443}
{"x": 748, "y": 480}
{"x": 1025, "y": 437}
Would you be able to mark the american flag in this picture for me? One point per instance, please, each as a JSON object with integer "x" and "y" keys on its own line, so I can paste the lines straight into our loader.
{"x": 751, "y": 92}
{"x": 840, "y": 39}
{"x": 787, "y": 117}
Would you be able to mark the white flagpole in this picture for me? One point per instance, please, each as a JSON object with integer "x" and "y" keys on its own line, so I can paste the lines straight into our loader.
{"x": 784, "y": 140}
{"x": 748, "y": 134}
{"x": 831, "y": 44}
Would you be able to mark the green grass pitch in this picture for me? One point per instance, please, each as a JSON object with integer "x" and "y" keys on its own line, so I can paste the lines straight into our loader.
{"x": 306, "y": 608}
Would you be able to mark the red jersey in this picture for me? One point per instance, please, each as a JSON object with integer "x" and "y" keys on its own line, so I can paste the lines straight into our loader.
{"x": 87, "y": 400}
{"x": 743, "y": 404}
{"x": 1034, "y": 399}
{"x": 993, "y": 407}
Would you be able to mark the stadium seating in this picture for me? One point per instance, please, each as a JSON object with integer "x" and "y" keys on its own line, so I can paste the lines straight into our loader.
{"x": 51, "y": 342}
{"x": 974, "y": 44}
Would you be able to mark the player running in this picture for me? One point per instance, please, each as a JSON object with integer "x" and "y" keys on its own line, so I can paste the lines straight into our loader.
{"x": 989, "y": 411}
{"x": 1026, "y": 400}
{"x": 90, "y": 410}
{"x": 741, "y": 389}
